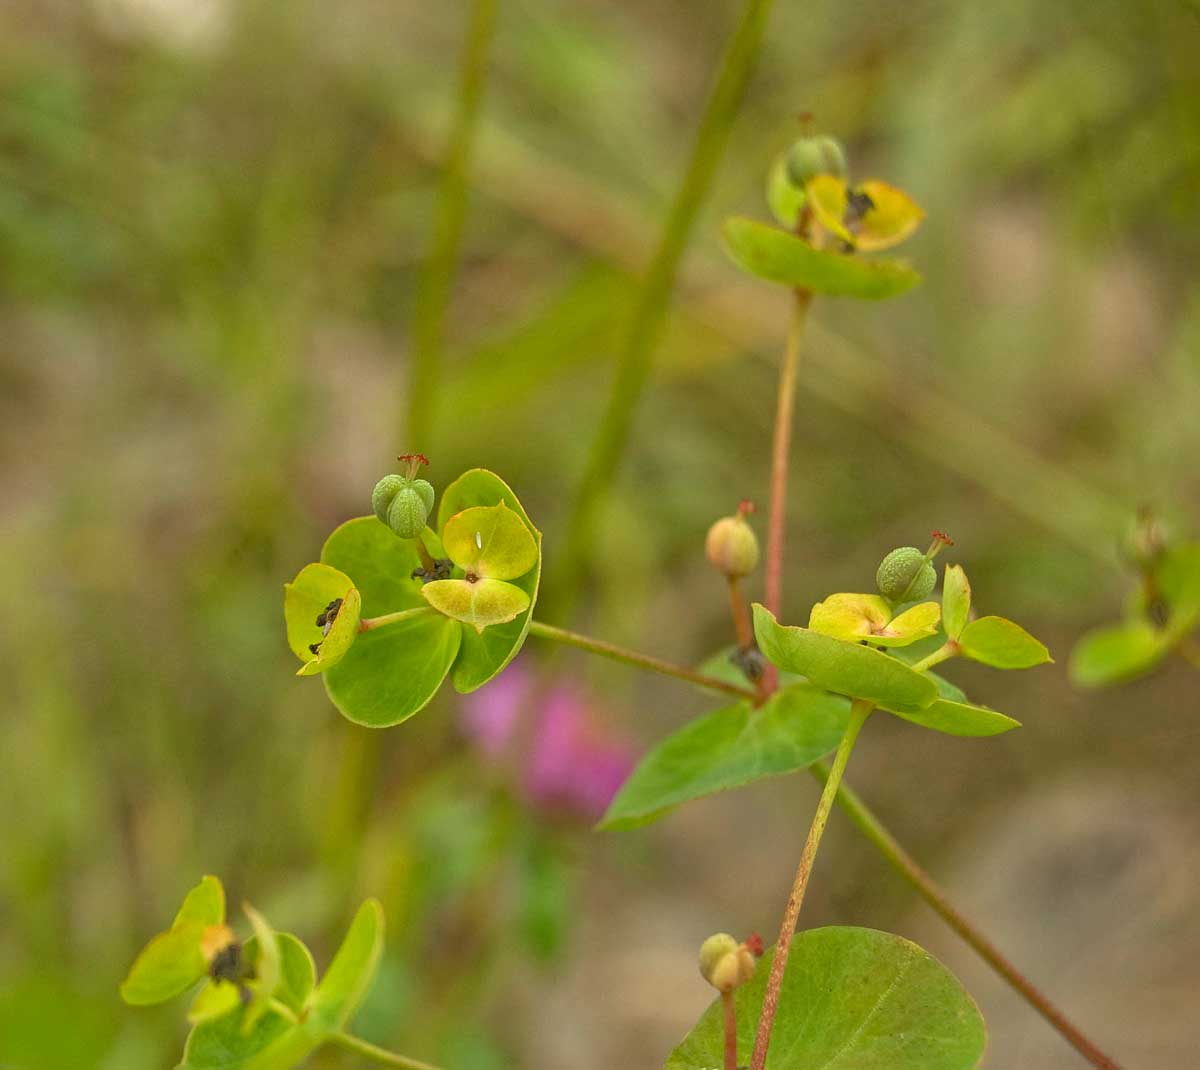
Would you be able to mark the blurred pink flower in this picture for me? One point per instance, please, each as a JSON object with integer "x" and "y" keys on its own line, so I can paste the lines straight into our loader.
{"x": 565, "y": 759}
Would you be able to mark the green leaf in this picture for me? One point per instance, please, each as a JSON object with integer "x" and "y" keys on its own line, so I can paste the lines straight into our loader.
{"x": 729, "y": 748}
{"x": 784, "y": 197}
{"x": 392, "y": 672}
{"x": 1178, "y": 578}
{"x": 778, "y": 256}
{"x": 204, "y": 903}
{"x": 349, "y": 976}
{"x": 1118, "y": 653}
{"x": 959, "y": 719}
{"x": 481, "y": 604}
{"x": 1002, "y": 644}
{"x": 847, "y": 668}
{"x": 226, "y": 1043}
{"x": 870, "y": 616}
{"x": 379, "y": 563}
{"x": 851, "y": 999}
{"x": 491, "y": 541}
{"x": 482, "y": 656}
{"x": 945, "y": 688}
{"x": 956, "y": 601}
{"x": 304, "y": 600}
{"x": 169, "y": 965}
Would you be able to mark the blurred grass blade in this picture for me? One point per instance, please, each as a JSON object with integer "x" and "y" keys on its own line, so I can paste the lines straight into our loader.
{"x": 433, "y": 292}
{"x": 646, "y": 322}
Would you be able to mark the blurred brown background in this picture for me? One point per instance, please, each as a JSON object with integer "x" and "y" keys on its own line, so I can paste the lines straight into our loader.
{"x": 212, "y": 215}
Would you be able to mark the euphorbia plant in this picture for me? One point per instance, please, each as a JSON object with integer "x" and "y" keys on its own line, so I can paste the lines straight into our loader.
{"x": 398, "y": 604}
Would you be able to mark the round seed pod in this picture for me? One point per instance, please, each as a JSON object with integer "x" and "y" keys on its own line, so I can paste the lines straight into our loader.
{"x": 812, "y": 156}
{"x": 906, "y": 575}
{"x": 732, "y": 547}
{"x": 385, "y": 490}
{"x": 724, "y": 963}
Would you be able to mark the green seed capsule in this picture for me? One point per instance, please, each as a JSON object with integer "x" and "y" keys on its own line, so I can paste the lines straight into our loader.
{"x": 403, "y": 504}
{"x": 815, "y": 156}
{"x": 906, "y": 575}
{"x": 731, "y": 546}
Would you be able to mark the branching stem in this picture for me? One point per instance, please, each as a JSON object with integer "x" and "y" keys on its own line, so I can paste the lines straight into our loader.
{"x": 641, "y": 661}
{"x": 947, "y": 650}
{"x": 380, "y": 1055}
{"x": 394, "y": 618}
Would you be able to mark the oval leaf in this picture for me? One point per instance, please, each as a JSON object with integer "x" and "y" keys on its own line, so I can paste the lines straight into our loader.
{"x": 729, "y": 748}
{"x": 308, "y": 598}
{"x": 481, "y": 604}
{"x": 959, "y": 719}
{"x": 349, "y": 976}
{"x": 379, "y": 563}
{"x": 169, "y": 965}
{"x": 777, "y": 256}
{"x": 204, "y": 903}
{"x": 394, "y": 671}
{"x": 847, "y": 668}
{"x": 1118, "y": 653}
{"x": 226, "y": 1042}
{"x": 869, "y": 617}
{"x": 268, "y": 968}
{"x": 956, "y": 601}
{"x": 482, "y": 656}
{"x": 999, "y": 642}
{"x": 491, "y": 541}
{"x": 851, "y": 999}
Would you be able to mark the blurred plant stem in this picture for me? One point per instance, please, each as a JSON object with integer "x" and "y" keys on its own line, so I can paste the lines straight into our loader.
{"x": 860, "y": 710}
{"x": 904, "y": 864}
{"x": 780, "y": 450}
{"x": 639, "y": 661}
{"x": 653, "y": 298}
{"x": 380, "y": 1055}
{"x": 437, "y": 278}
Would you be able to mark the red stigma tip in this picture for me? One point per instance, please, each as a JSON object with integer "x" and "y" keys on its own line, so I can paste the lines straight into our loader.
{"x": 754, "y": 944}
{"x": 942, "y": 537}
{"x": 417, "y": 458}
{"x": 746, "y": 507}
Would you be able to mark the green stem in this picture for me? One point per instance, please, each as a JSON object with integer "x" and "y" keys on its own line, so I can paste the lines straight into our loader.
{"x": 641, "y": 661}
{"x": 437, "y": 277}
{"x": 729, "y": 1007}
{"x": 380, "y": 1055}
{"x": 904, "y": 864}
{"x": 394, "y": 618}
{"x": 780, "y": 451}
{"x": 860, "y": 710}
{"x": 649, "y": 313}
{"x": 947, "y": 650}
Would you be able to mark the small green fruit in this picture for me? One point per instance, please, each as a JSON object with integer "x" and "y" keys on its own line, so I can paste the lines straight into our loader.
{"x": 404, "y": 502}
{"x": 731, "y": 545}
{"x": 724, "y": 963}
{"x": 812, "y": 156}
{"x": 906, "y": 575}
{"x": 409, "y": 511}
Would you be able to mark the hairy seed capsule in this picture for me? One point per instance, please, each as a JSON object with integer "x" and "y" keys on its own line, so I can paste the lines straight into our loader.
{"x": 906, "y": 575}
{"x": 811, "y": 156}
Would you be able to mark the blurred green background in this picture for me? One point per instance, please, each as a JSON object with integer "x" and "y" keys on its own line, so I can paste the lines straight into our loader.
{"x": 212, "y": 219}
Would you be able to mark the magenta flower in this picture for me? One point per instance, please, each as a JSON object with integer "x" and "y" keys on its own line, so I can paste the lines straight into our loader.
{"x": 566, "y": 760}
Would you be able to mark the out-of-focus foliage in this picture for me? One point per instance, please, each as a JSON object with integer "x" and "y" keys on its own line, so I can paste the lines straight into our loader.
{"x": 211, "y": 217}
